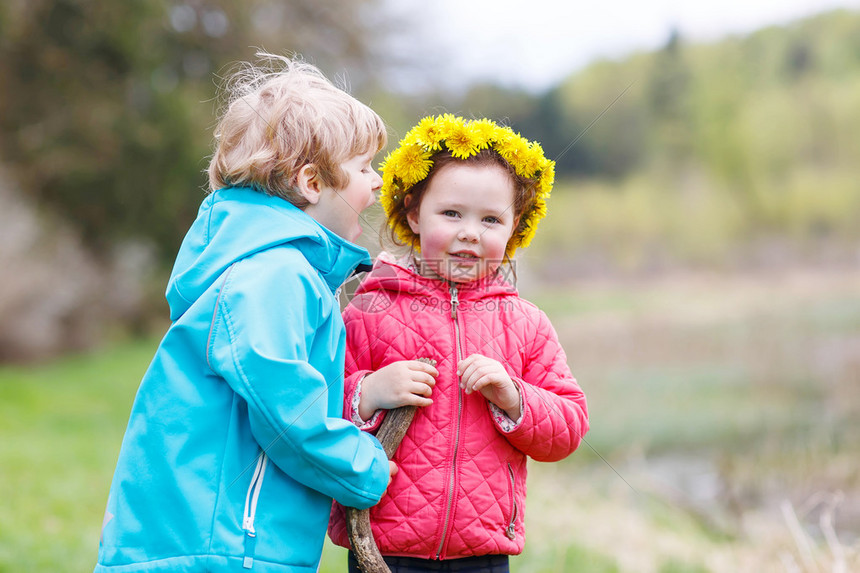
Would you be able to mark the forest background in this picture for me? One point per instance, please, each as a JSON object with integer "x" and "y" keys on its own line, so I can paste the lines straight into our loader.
{"x": 700, "y": 262}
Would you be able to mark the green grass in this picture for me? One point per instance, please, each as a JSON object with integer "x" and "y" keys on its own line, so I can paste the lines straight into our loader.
{"x": 62, "y": 424}
{"x": 747, "y": 389}
{"x": 567, "y": 557}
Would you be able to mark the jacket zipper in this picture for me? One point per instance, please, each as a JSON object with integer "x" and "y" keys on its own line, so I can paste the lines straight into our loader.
{"x": 455, "y": 301}
{"x": 509, "y": 531}
{"x": 250, "y": 512}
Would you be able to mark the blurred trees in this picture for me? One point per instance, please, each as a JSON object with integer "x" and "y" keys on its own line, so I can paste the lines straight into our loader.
{"x": 106, "y": 117}
{"x": 101, "y": 113}
{"x": 740, "y": 153}
{"x": 741, "y": 109}
{"x": 106, "y": 108}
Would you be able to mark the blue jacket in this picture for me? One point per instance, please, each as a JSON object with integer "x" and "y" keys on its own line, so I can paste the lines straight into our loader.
{"x": 236, "y": 446}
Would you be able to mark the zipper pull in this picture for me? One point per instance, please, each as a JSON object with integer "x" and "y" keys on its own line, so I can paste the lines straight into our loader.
{"x": 454, "y": 302}
{"x": 250, "y": 545}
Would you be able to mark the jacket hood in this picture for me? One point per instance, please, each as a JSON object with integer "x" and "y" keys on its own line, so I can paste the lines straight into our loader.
{"x": 234, "y": 223}
{"x": 401, "y": 276}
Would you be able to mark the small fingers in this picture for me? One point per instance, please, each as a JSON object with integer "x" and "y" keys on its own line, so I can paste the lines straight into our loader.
{"x": 420, "y": 402}
{"x": 421, "y": 395}
{"x": 474, "y": 372}
{"x": 466, "y": 368}
{"x": 422, "y": 389}
{"x": 479, "y": 381}
{"x": 415, "y": 399}
{"x": 414, "y": 394}
{"x": 419, "y": 366}
{"x": 419, "y": 379}
{"x": 464, "y": 364}
{"x": 474, "y": 361}
{"x": 428, "y": 380}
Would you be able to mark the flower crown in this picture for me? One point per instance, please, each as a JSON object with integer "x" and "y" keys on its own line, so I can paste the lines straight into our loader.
{"x": 412, "y": 160}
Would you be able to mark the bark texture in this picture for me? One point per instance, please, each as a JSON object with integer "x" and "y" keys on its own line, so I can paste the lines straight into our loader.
{"x": 390, "y": 435}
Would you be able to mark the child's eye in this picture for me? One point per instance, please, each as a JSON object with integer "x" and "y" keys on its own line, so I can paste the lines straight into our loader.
{"x": 450, "y": 213}
{"x": 492, "y": 220}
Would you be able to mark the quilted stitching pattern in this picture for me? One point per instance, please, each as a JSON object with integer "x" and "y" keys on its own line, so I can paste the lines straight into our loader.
{"x": 397, "y": 315}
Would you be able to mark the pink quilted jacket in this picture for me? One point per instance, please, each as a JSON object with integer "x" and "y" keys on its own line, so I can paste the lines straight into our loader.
{"x": 461, "y": 487}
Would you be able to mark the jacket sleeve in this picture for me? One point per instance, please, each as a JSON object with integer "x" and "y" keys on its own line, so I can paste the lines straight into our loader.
{"x": 555, "y": 415}
{"x": 358, "y": 361}
{"x": 271, "y": 323}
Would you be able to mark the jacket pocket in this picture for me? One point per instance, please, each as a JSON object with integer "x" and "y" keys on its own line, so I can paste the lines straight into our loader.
{"x": 250, "y": 512}
{"x": 510, "y": 530}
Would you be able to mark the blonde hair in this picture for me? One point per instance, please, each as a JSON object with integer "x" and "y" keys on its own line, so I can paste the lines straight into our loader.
{"x": 282, "y": 115}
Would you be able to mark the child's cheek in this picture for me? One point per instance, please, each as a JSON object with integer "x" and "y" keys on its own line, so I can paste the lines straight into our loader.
{"x": 433, "y": 245}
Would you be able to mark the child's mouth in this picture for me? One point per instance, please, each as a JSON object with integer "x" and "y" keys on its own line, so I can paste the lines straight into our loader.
{"x": 465, "y": 256}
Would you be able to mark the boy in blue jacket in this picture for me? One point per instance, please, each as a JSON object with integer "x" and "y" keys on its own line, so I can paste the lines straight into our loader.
{"x": 235, "y": 446}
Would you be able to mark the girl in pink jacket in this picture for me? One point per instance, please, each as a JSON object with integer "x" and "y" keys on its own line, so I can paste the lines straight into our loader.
{"x": 463, "y": 196}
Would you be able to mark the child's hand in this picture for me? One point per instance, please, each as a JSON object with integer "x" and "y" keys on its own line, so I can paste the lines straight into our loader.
{"x": 402, "y": 383}
{"x": 392, "y": 471}
{"x": 488, "y": 376}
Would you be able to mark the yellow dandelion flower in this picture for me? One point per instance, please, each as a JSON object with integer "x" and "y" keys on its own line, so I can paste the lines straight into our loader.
{"x": 530, "y": 160}
{"x": 524, "y": 242}
{"x": 386, "y": 201}
{"x": 428, "y": 133}
{"x": 503, "y": 135}
{"x": 547, "y": 178}
{"x": 405, "y": 234}
{"x": 389, "y": 190}
{"x": 447, "y": 122}
{"x": 513, "y": 150}
{"x": 485, "y": 132}
{"x": 387, "y": 175}
{"x": 413, "y": 164}
{"x": 462, "y": 141}
{"x": 544, "y": 163}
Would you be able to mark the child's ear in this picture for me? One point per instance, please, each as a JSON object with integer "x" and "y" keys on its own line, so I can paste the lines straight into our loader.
{"x": 411, "y": 216}
{"x": 309, "y": 184}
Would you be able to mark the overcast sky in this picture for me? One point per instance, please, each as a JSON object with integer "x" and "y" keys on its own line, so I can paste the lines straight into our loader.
{"x": 536, "y": 43}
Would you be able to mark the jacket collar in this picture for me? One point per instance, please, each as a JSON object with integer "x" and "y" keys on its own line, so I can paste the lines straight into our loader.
{"x": 236, "y": 222}
{"x": 401, "y": 275}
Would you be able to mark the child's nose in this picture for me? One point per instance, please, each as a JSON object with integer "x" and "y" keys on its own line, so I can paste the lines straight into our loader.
{"x": 469, "y": 233}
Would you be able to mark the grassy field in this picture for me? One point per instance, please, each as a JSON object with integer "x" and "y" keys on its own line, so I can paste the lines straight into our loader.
{"x": 723, "y": 407}
{"x": 62, "y": 424}
{"x": 725, "y": 432}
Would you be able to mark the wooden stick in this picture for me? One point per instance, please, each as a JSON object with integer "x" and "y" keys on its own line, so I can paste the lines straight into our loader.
{"x": 390, "y": 435}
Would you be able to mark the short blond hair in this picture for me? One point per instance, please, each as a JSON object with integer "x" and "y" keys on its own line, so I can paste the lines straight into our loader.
{"x": 282, "y": 115}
